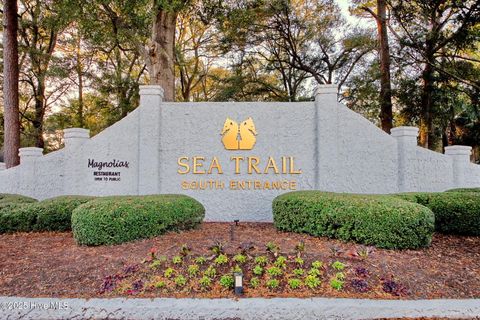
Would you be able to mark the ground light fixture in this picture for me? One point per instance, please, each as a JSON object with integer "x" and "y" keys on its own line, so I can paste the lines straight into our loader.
{"x": 238, "y": 276}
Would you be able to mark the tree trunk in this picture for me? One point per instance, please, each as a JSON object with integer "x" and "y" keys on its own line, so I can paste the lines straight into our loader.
{"x": 79, "y": 69}
{"x": 386, "y": 115}
{"x": 426, "y": 120}
{"x": 162, "y": 53}
{"x": 10, "y": 84}
{"x": 39, "y": 113}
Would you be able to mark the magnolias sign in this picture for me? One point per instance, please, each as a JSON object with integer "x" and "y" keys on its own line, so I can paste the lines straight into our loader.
{"x": 112, "y": 174}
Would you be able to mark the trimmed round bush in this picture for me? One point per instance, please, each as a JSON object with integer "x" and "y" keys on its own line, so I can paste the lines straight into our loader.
{"x": 455, "y": 212}
{"x": 114, "y": 220}
{"x": 382, "y": 221}
{"x": 17, "y": 217}
{"x": 55, "y": 214}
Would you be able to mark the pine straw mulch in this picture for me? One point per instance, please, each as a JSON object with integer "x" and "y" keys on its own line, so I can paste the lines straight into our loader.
{"x": 52, "y": 265}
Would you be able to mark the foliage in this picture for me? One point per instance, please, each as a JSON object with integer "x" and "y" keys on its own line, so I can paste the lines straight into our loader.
{"x": 205, "y": 282}
{"x": 272, "y": 283}
{"x": 261, "y": 260}
{"x": 180, "y": 281}
{"x": 336, "y": 283}
{"x": 464, "y": 190}
{"x": 455, "y": 212}
{"x": 257, "y": 270}
{"x": 337, "y": 265}
{"x": 227, "y": 281}
{"x": 312, "y": 281}
{"x": 221, "y": 259}
{"x": 254, "y": 282}
{"x": 15, "y": 198}
{"x": 240, "y": 258}
{"x": 383, "y": 221}
{"x": 298, "y": 272}
{"x": 17, "y": 217}
{"x": 210, "y": 272}
{"x": 193, "y": 270}
{"x": 294, "y": 283}
{"x": 55, "y": 214}
{"x": 48, "y": 215}
{"x": 114, "y": 220}
{"x": 169, "y": 272}
{"x": 177, "y": 260}
{"x": 274, "y": 272}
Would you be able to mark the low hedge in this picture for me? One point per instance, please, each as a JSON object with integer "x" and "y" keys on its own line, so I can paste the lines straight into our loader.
{"x": 15, "y": 198}
{"x": 55, "y": 214}
{"x": 464, "y": 190}
{"x": 115, "y": 220}
{"x": 15, "y": 217}
{"x": 383, "y": 221}
{"x": 455, "y": 212}
{"x": 48, "y": 215}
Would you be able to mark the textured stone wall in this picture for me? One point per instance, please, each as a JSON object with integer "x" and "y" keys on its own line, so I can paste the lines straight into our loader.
{"x": 335, "y": 149}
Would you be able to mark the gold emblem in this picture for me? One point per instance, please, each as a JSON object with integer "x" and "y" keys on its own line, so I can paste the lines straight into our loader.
{"x": 239, "y": 137}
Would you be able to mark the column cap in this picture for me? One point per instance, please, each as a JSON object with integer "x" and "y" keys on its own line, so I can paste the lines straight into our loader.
{"x": 404, "y": 131}
{"x": 76, "y": 133}
{"x": 151, "y": 90}
{"x": 458, "y": 150}
{"x": 30, "y": 152}
{"x": 323, "y": 89}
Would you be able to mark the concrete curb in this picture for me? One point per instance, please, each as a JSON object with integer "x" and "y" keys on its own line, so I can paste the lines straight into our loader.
{"x": 251, "y": 308}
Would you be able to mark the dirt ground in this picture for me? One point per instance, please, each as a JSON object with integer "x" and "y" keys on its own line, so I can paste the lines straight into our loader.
{"x": 52, "y": 265}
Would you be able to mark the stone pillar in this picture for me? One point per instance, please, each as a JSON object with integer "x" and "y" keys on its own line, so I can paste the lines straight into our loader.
{"x": 151, "y": 97}
{"x": 406, "y": 143}
{"x": 26, "y": 177}
{"x": 29, "y": 155}
{"x": 326, "y": 128}
{"x": 460, "y": 156}
{"x": 75, "y": 137}
{"x": 2, "y": 166}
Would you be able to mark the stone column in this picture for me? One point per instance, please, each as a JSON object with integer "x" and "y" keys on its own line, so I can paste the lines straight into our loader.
{"x": 151, "y": 97}
{"x": 2, "y": 166}
{"x": 27, "y": 177}
{"x": 460, "y": 156}
{"x": 75, "y": 137}
{"x": 406, "y": 143}
{"x": 326, "y": 127}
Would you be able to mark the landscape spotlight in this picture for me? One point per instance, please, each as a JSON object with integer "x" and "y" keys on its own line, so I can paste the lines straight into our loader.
{"x": 238, "y": 276}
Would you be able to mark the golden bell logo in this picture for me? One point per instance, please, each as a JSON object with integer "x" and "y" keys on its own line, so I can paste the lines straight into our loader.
{"x": 239, "y": 137}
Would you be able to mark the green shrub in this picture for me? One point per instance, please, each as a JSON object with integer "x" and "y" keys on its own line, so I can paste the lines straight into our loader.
{"x": 464, "y": 190}
{"x": 455, "y": 212}
{"x": 15, "y": 217}
{"x": 383, "y": 221}
{"x": 6, "y": 198}
{"x": 55, "y": 214}
{"x": 23, "y": 214}
{"x": 115, "y": 220}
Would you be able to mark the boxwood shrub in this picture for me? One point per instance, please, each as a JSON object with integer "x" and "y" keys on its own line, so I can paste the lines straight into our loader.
{"x": 48, "y": 215}
{"x": 464, "y": 190}
{"x": 455, "y": 212}
{"x": 17, "y": 217}
{"x": 15, "y": 198}
{"x": 115, "y": 220}
{"x": 383, "y": 221}
{"x": 55, "y": 214}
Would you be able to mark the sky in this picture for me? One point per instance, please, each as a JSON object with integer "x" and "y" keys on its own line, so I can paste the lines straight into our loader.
{"x": 344, "y": 4}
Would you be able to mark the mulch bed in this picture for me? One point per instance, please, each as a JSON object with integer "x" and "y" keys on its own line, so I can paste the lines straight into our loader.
{"x": 52, "y": 265}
